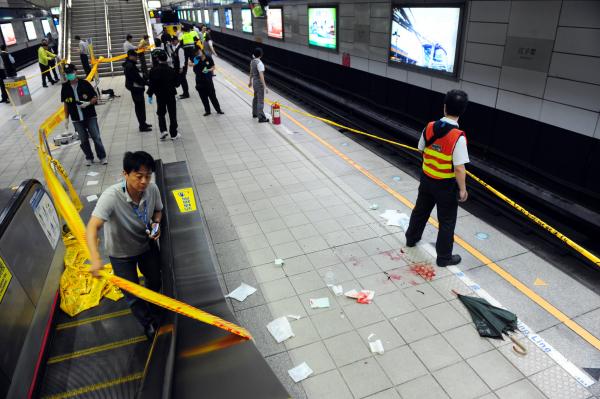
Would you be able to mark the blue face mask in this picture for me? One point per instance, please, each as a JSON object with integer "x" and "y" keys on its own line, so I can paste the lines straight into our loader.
{"x": 71, "y": 76}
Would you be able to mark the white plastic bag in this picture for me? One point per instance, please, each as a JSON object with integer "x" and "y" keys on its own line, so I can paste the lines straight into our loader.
{"x": 300, "y": 372}
{"x": 242, "y": 292}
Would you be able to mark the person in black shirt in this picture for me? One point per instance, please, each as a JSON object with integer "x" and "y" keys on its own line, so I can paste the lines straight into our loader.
{"x": 79, "y": 98}
{"x": 9, "y": 62}
{"x": 135, "y": 83}
{"x": 180, "y": 65}
{"x": 165, "y": 38}
{"x": 163, "y": 83}
{"x": 203, "y": 68}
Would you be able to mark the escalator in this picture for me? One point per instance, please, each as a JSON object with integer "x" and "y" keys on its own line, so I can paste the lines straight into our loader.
{"x": 103, "y": 352}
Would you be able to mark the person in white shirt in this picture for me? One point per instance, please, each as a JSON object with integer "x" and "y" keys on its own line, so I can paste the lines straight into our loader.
{"x": 443, "y": 182}
{"x": 128, "y": 44}
{"x": 84, "y": 54}
{"x": 257, "y": 81}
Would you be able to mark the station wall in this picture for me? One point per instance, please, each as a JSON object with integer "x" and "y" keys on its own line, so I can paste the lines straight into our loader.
{"x": 566, "y": 93}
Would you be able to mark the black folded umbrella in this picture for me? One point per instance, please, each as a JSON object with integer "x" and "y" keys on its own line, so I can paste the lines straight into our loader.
{"x": 491, "y": 321}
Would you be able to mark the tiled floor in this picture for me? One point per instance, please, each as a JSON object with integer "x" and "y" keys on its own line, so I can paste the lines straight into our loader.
{"x": 275, "y": 192}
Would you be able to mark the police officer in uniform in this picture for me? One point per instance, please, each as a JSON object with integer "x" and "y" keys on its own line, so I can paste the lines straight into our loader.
{"x": 178, "y": 58}
{"x": 163, "y": 83}
{"x": 445, "y": 154}
{"x": 188, "y": 41}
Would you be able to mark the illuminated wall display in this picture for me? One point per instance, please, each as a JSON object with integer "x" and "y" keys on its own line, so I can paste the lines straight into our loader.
{"x": 322, "y": 27}
{"x": 8, "y": 34}
{"x": 228, "y": 18}
{"x": 30, "y": 30}
{"x": 216, "y": 18}
{"x": 46, "y": 26}
{"x": 246, "y": 20}
{"x": 206, "y": 17}
{"x": 275, "y": 23}
{"x": 425, "y": 37}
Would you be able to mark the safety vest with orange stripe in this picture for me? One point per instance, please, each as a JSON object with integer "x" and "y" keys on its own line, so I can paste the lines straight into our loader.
{"x": 437, "y": 156}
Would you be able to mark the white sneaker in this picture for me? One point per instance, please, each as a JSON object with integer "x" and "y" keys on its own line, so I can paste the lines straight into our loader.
{"x": 163, "y": 135}
{"x": 176, "y": 137}
{"x": 103, "y": 161}
{"x": 88, "y": 162}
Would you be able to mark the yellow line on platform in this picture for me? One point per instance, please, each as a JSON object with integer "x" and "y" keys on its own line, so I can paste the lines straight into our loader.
{"x": 81, "y": 322}
{"x": 96, "y": 349}
{"x": 95, "y": 387}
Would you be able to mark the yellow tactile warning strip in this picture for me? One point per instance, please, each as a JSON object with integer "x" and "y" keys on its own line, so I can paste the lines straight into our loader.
{"x": 96, "y": 349}
{"x": 81, "y": 322}
{"x": 579, "y": 330}
{"x": 95, "y": 387}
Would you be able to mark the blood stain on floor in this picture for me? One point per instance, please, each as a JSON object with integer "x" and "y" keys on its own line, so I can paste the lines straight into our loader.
{"x": 424, "y": 270}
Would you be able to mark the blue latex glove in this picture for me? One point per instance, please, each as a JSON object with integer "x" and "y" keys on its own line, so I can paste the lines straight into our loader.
{"x": 149, "y": 100}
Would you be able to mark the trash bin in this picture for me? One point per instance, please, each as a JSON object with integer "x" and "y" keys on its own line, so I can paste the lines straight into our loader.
{"x": 18, "y": 90}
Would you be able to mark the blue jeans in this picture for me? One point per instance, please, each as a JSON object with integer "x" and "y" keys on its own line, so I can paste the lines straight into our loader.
{"x": 149, "y": 264}
{"x": 88, "y": 128}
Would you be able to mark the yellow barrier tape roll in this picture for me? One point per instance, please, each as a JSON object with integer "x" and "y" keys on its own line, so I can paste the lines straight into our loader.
{"x": 581, "y": 250}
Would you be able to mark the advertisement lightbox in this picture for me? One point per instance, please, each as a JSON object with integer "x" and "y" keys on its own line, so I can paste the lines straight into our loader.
{"x": 228, "y": 18}
{"x": 206, "y": 17}
{"x": 425, "y": 37}
{"x": 198, "y": 15}
{"x": 216, "y": 18}
{"x": 8, "y": 34}
{"x": 30, "y": 30}
{"x": 154, "y": 4}
{"x": 322, "y": 27}
{"x": 246, "y": 20}
{"x": 275, "y": 23}
{"x": 46, "y": 26}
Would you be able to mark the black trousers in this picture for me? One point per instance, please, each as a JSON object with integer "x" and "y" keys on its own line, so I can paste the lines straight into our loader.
{"x": 45, "y": 74}
{"x": 164, "y": 105}
{"x": 51, "y": 66}
{"x": 85, "y": 62}
{"x": 2, "y": 86}
{"x": 442, "y": 193}
{"x": 137, "y": 94}
{"x": 207, "y": 91}
{"x": 183, "y": 81}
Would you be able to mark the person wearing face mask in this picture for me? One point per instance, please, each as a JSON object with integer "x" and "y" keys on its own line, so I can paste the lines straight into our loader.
{"x": 135, "y": 83}
{"x": 204, "y": 67}
{"x": 79, "y": 99}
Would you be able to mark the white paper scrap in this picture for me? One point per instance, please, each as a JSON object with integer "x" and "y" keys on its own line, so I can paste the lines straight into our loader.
{"x": 93, "y": 174}
{"x": 388, "y": 213}
{"x": 92, "y": 198}
{"x": 318, "y": 303}
{"x": 351, "y": 294}
{"x": 242, "y": 292}
{"x": 280, "y": 329}
{"x": 376, "y": 347}
{"x": 300, "y": 372}
{"x": 400, "y": 220}
{"x": 337, "y": 289}
{"x": 374, "y": 207}
{"x": 279, "y": 262}
{"x": 294, "y": 316}
{"x": 92, "y": 182}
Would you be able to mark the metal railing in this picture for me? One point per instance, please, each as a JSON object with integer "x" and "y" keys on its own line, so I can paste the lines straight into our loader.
{"x": 108, "y": 38}
{"x": 64, "y": 38}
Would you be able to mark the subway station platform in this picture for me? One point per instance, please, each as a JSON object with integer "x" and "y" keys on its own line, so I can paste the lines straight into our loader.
{"x": 303, "y": 192}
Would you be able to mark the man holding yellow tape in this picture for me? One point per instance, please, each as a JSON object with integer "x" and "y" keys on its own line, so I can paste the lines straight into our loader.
{"x": 443, "y": 183}
{"x": 130, "y": 212}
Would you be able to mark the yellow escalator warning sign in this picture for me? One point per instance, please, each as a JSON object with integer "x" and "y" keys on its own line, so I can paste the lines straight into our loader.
{"x": 185, "y": 199}
{"x": 5, "y": 277}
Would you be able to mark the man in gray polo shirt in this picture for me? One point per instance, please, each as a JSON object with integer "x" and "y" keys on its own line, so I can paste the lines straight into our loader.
{"x": 130, "y": 212}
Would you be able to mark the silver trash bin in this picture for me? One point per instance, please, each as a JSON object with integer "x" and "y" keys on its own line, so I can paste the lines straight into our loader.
{"x": 18, "y": 90}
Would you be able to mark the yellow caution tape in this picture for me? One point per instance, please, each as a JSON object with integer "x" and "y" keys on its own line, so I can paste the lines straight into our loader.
{"x": 581, "y": 250}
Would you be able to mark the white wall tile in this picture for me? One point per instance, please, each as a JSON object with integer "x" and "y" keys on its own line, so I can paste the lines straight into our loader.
{"x": 570, "y": 118}
{"x": 523, "y": 81}
{"x": 359, "y": 63}
{"x": 419, "y": 79}
{"x": 529, "y": 107}
{"x": 482, "y": 32}
{"x": 482, "y": 74}
{"x": 534, "y": 19}
{"x": 444, "y": 85}
{"x": 480, "y": 94}
{"x": 397, "y": 73}
{"x": 582, "y": 41}
{"x": 575, "y": 67}
{"x": 582, "y": 13}
{"x": 378, "y": 68}
{"x": 489, "y": 54}
{"x": 490, "y": 11}
{"x": 568, "y": 92}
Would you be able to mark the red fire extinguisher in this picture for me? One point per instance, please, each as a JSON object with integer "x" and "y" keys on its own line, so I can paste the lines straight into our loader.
{"x": 276, "y": 113}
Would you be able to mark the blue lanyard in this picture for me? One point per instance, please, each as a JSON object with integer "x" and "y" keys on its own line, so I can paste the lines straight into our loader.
{"x": 143, "y": 216}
